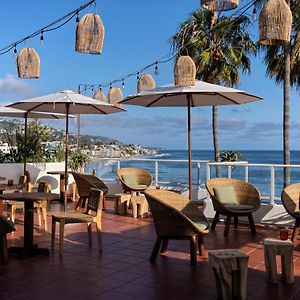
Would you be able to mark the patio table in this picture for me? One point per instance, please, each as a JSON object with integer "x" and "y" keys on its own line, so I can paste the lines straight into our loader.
{"x": 29, "y": 248}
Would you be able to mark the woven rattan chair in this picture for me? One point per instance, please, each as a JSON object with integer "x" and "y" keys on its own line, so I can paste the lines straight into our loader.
{"x": 140, "y": 177}
{"x": 92, "y": 214}
{"x": 41, "y": 206}
{"x": 5, "y": 228}
{"x": 31, "y": 186}
{"x": 247, "y": 201}
{"x": 175, "y": 217}
{"x": 290, "y": 197}
{"x": 84, "y": 183}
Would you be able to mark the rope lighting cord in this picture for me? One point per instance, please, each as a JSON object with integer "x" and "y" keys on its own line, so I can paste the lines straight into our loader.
{"x": 61, "y": 21}
{"x": 84, "y": 87}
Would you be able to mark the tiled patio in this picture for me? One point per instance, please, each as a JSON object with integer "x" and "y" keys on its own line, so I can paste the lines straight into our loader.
{"x": 123, "y": 271}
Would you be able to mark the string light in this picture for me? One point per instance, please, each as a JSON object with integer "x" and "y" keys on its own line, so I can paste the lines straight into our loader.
{"x": 254, "y": 16}
{"x": 50, "y": 27}
{"x": 167, "y": 58}
{"x": 77, "y": 17}
{"x": 15, "y": 50}
{"x": 156, "y": 69}
{"x": 42, "y": 38}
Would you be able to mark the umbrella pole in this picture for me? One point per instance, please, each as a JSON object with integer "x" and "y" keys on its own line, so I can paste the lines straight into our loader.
{"x": 189, "y": 147}
{"x": 66, "y": 156}
{"x": 25, "y": 143}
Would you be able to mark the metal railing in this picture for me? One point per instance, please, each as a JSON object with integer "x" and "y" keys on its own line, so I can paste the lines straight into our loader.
{"x": 209, "y": 166}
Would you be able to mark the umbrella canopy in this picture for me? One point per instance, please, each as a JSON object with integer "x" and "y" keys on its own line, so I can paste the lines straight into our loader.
{"x": 18, "y": 113}
{"x": 67, "y": 102}
{"x": 58, "y": 103}
{"x": 200, "y": 94}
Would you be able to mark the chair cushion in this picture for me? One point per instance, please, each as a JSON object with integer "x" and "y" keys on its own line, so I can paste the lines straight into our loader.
{"x": 239, "y": 207}
{"x": 202, "y": 225}
{"x": 129, "y": 179}
{"x": 225, "y": 194}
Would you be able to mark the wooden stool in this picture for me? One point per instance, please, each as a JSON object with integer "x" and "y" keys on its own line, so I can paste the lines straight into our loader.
{"x": 139, "y": 206}
{"x": 275, "y": 247}
{"x": 230, "y": 270}
{"x": 121, "y": 203}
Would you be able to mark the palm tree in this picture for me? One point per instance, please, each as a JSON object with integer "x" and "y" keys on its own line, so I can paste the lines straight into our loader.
{"x": 283, "y": 65}
{"x": 220, "y": 48}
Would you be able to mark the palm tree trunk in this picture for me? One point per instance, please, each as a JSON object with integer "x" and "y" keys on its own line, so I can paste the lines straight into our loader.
{"x": 215, "y": 127}
{"x": 286, "y": 112}
{"x": 215, "y": 118}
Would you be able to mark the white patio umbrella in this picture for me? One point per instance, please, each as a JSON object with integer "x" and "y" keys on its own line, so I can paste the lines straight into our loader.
{"x": 200, "y": 94}
{"x": 67, "y": 102}
{"x": 18, "y": 113}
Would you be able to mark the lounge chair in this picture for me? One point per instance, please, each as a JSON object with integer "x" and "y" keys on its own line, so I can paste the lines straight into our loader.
{"x": 176, "y": 217}
{"x": 290, "y": 197}
{"x": 134, "y": 180}
{"x": 84, "y": 183}
{"x": 233, "y": 198}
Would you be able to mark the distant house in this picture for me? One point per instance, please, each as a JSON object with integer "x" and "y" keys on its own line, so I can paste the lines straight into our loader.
{"x": 5, "y": 148}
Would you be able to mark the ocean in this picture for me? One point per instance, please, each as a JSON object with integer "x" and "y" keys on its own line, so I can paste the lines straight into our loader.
{"x": 176, "y": 174}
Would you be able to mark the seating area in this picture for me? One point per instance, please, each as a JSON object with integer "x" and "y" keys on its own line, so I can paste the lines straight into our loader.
{"x": 164, "y": 238}
{"x": 123, "y": 270}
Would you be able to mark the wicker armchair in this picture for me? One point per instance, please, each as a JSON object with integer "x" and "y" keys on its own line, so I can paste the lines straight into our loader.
{"x": 5, "y": 228}
{"x": 84, "y": 183}
{"x": 247, "y": 201}
{"x": 290, "y": 197}
{"x": 175, "y": 217}
{"x": 140, "y": 179}
{"x": 92, "y": 214}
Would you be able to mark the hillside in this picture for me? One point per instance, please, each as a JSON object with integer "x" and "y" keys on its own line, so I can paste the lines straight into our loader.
{"x": 56, "y": 135}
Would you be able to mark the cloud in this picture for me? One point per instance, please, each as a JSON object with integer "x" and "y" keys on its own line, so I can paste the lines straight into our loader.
{"x": 15, "y": 86}
{"x": 232, "y": 124}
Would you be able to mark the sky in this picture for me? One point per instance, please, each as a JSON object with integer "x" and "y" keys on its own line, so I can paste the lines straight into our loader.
{"x": 137, "y": 33}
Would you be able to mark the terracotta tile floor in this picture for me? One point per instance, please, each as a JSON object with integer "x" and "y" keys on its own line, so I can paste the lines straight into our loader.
{"x": 123, "y": 271}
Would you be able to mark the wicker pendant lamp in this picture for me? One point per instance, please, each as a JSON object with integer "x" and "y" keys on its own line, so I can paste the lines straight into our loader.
{"x": 114, "y": 96}
{"x": 184, "y": 71}
{"x": 145, "y": 83}
{"x": 28, "y": 64}
{"x": 99, "y": 95}
{"x": 275, "y": 23}
{"x": 89, "y": 34}
{"x": 219, "y": 5}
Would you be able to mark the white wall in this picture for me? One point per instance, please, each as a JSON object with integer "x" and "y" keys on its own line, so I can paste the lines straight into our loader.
{"x": 38, "y": 171}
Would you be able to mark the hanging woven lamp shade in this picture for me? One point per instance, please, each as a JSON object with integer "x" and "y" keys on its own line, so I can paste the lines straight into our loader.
{"x": 114, "y": 96}
{"x": 184, "y": 71}
{"x": 99, "y": 95}
{"x": 219, "y": 5}
{"x": 275, "y": 23}
{"x": 145, "y": 83}
{"x": 89, "y": 34}
{"x": 28, "y": 64}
